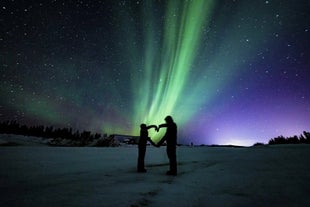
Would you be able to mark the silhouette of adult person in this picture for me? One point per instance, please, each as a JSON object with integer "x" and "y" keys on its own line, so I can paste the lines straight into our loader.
{"x": 144, "y": 137}
{"x": 171, "y": 139}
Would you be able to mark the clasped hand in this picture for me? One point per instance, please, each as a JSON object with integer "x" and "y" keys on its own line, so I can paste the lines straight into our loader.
{"x": 157, "y": 128}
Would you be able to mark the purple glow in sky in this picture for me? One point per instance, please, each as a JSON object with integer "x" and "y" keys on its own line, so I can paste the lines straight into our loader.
{"x": 229, "y": 72}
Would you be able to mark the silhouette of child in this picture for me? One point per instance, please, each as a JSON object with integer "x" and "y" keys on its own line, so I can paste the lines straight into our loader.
{"x": 144, "y": 137}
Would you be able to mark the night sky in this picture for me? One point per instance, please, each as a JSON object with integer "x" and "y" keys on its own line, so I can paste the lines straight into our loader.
{"x": 228, "y": 72}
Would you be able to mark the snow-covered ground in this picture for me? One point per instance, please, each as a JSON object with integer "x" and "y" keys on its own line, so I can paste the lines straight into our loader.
{"x": 208, "y": 176}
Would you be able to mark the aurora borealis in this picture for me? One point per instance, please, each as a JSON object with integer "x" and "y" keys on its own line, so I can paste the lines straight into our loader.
{"x": 229, "y": 72}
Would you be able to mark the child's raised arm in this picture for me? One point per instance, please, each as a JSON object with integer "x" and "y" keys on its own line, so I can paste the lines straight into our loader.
{"x": 152, "y": 126}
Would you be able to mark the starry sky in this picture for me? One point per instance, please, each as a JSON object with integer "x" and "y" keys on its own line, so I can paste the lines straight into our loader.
{"x": 228, "y": 72}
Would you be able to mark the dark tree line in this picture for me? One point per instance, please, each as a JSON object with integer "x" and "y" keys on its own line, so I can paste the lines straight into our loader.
{"x": 84, "y": 137}
{"x": 301, "y": 139}
{"x": 12, "y": 127}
